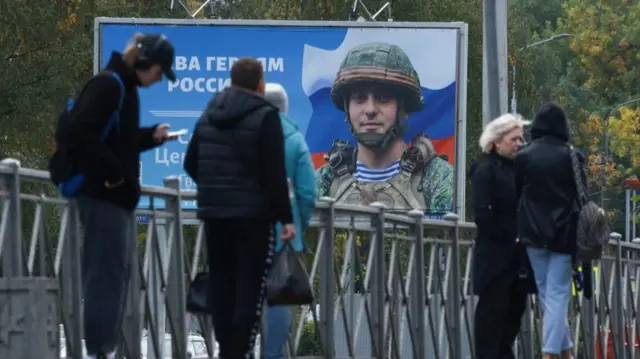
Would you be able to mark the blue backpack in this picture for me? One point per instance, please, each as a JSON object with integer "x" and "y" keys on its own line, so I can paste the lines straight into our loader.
{"x": 61, "y": 167}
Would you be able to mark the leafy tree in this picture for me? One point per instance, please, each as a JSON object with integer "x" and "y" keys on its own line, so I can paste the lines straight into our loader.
{"x": 605, "y": 39}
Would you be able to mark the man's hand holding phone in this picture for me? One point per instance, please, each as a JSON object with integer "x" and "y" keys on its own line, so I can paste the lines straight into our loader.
{"x": 162, "y": 134}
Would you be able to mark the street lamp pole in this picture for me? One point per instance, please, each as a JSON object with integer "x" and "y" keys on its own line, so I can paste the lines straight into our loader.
{"x": 514, "y": 99}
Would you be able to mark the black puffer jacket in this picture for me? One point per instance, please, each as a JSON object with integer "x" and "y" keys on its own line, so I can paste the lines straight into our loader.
{"x": 236, "y": 157}
{"x": 548, "y": 206}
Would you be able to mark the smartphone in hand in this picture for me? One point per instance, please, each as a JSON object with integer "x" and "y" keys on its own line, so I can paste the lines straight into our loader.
{"x": 172, "y": 135}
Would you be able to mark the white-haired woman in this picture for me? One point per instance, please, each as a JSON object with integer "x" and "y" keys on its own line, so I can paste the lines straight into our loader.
{"x": 501, "y": 277}
{"x": 301, "y": 175}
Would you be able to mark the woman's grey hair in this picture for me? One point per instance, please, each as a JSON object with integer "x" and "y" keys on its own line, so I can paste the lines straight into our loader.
{"x": 498, "y": 128}
{"x": 277, "y": 95}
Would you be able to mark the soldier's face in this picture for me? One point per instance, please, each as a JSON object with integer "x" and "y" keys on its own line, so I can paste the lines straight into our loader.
{"x": 372, "y": 110}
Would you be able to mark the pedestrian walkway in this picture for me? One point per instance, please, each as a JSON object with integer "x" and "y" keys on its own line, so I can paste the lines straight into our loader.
{"x": 387, "y": 285}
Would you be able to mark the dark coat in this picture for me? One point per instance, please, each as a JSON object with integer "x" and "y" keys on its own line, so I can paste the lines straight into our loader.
{"x": 118, "y": 157}
{"x": 496, "y": 253}
{"x": 548, "y": 202}
{"x": 236, "y": 157}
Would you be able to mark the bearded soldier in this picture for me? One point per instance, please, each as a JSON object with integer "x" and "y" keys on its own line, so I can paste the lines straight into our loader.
{"x": 377, "y": 88}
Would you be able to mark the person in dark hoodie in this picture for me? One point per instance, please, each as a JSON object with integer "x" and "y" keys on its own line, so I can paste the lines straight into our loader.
{"x": 111, "y": 189}
{"x": 501, "y": 272}
{"x": 547, "y": 221}
{"x": 236, "y": 157}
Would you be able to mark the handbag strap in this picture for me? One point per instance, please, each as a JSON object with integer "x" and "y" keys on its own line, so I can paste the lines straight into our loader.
{"x": 577, "y": 176}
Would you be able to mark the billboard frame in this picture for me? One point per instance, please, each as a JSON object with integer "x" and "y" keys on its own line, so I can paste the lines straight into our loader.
{"x": 460, "y": 116}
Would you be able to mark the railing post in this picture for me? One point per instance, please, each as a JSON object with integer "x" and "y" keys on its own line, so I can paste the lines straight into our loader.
{"x": 527, "y": 330}
{"x": 176, "y": 301}
{"x": 618, "y": 301}
{"x": 74, "y": 275}
{"x": 132, "y": 321}
{"x": 28, "y": 305}
{"x": 417, "y": 293}
{"x": 156, "y": 247}
{"x": 589, "y": 314}
{"x": 11, "y": 244}
{"x": 455, "y": 329}
{"x": 326, "y": 281}
{"x": 378, "y": 286}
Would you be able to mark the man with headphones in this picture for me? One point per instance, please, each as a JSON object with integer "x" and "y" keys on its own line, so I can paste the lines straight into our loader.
{"x": 111, "y": 190}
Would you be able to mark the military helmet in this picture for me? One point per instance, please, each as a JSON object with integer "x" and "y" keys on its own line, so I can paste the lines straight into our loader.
{"x": 378, "y": 63}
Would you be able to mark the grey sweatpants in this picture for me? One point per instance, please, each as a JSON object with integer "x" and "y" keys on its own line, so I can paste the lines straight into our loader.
{"x": 106, "y": 261}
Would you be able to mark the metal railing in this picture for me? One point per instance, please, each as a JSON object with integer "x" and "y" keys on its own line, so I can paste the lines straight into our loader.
{"x": 387, "y": 285}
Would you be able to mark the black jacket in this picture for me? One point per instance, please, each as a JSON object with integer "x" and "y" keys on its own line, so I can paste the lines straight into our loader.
{"x": 236, "y": 157}
{"x": 119, "y": 156}
{"x": 548, "y": 206}
{"x": 496, "y": 254}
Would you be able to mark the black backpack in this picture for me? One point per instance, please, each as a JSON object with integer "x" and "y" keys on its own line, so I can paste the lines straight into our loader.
{"x": 62, "y": 170}
{"x": 593, "y": 230}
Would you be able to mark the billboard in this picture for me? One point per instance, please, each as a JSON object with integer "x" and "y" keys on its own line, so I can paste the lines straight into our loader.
{"x": 343, "y": 79}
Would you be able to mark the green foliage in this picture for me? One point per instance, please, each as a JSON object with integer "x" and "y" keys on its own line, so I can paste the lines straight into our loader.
{"x": 310, "y": 341}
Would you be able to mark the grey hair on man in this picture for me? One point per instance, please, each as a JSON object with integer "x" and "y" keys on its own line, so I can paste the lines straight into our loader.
{"x": 277, "y": 95}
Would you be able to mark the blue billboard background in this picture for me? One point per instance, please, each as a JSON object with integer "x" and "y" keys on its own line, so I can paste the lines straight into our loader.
{"x": 303, "y": 59}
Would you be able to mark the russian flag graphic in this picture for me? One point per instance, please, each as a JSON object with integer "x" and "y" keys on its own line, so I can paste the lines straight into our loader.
{"x": 433, "y": 55}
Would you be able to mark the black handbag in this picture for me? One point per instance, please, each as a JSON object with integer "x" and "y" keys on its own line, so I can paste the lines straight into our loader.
{"x": 288, "y": 281}
{"x": 198, "y": 297}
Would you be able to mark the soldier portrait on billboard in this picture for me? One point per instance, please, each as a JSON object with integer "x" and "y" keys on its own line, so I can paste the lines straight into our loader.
{"x": 377, "y": 88}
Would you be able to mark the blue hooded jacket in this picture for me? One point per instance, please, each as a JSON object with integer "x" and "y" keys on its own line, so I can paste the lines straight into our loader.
{"x": 302, "y": 182}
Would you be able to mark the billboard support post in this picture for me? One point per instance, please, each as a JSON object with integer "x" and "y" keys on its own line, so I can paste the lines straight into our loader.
{"x": 461, "y": 123}
{"x": 353, "y": 13}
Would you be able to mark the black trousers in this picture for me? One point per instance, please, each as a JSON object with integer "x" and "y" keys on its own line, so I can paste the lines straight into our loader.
{"x": 240, "y": 252}
{"x": 498, "y": 315}
{"x": 106, "y": 268}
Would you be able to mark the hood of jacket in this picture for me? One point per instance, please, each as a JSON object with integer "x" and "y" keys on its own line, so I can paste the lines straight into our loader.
{"x": 550, "y": 121}
{"x": 289, "y": 128}
{"x": 127, "y": 74}
{"x": 232, "y": 105}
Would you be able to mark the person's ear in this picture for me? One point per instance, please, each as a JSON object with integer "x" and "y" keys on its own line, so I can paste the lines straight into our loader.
{"x": 261, "y": 87}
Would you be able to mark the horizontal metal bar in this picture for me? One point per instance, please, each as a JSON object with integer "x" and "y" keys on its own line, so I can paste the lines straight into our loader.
{"x": 288, "y": 23}
{"x": 154, "y": 191}
{"x": 43, "y": 199}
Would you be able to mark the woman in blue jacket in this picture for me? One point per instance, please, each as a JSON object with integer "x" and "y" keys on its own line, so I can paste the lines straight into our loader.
{"x": 302, "y": 190}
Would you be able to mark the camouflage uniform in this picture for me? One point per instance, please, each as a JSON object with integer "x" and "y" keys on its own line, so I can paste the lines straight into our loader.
{"x": 425, "y": 180}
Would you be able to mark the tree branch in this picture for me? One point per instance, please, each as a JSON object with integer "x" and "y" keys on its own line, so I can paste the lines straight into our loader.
{"x": 15, "y": 54}
{"x": 20, "y": 86}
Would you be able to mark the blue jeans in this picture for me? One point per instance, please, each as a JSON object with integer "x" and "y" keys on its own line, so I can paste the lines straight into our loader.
{"x": 278, "y": 325}
{"x": 553, "y": 273}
